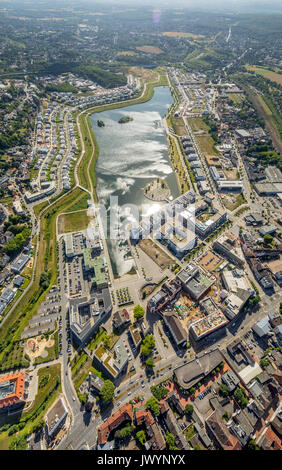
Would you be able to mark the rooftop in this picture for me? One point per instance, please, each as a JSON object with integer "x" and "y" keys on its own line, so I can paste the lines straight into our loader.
{"x": 190, "y": 373}
{"x": 11, "y": 389}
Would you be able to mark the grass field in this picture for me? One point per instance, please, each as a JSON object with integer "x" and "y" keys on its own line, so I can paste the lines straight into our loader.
{"x": 270, "y": 113}
{"x": 179, "y": 34}
{"x": 73, "y": 222}
{"x": 233, "y": 201}
{"x": 237, "y": 98}
{"x": 274, "y": 76}
{"x": 205, "y": 141}
{"x": 158, "y": 255}
{"x": 197, "y": 124}
{"x": 81, "y": 204}
{"x": 131, "y": 53}
{"x": 47, "y": 259}
{"x": 206, "y": 144}
{"x": 178, "y": 126}
{"x": 150, "y": 49}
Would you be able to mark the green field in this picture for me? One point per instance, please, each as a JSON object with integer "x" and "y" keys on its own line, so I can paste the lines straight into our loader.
{"x": 274, "y": 76}
{"x": 73, "y": 222}
{"x": 237, "y": 98}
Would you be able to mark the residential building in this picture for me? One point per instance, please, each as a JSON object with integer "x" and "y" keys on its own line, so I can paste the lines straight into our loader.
{"x": 12, "y": 391}
{"x": 227, "y": 246}
{"x": 124, "y": 414}
{"x": 178, "y": 332}
{"x": 220, "y": 435}
{"x": 121, "y": 319}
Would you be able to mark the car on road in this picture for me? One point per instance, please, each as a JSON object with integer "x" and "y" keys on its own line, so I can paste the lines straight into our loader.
{"x": 73, "y": 397}
{"x": 143, "y": 385}
{"x": 129, "y": 393}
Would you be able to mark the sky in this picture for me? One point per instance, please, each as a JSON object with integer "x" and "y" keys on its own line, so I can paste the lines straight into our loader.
{"x": 236, "y": 6}
{"x": 232, "y": 6}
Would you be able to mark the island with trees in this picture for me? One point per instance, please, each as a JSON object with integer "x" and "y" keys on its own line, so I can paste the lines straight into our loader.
{"x": 100, "y": 123}
{"x": 125, "y": 119}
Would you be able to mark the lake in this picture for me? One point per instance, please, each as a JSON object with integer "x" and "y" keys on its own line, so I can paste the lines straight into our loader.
{"x": 130, "y": 156}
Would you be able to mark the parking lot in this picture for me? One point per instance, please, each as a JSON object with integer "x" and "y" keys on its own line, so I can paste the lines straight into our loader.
{"x": 210, "y": 261}
{"x": 76, "y": 284}
{"x": 52, "y": 303}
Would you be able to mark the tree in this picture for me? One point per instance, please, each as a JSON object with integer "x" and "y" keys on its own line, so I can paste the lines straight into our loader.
{"x": 153, "y": 405}
{"x": 124, "y": 432}
{"x": 138, "y": 312}
{"x": 108, "y": 391}
{"x": 189, "y": 409}
{"x": 44, "y": 280}
{"x": 107, "y": 341}
{"x": 241, "y": 397}
{"x": 267, "y": 239}
{"x": 223, "y": 390}
{"x": 159, "y": 392}
{"x": 170, "y": 440}
{"x": 252, "y": 445}
{"x": 264, "y": 362}
{"x": 150, "y": 363}
{"x": 147, "y": 345}
{"x": 141, "y": 436}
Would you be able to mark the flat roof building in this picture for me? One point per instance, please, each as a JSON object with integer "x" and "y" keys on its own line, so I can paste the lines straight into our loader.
{"x": 262, "y": 327}
{"x": 230, "y": 380}
{"x": 194, "y": 282}
{"x": 135, "y": 335}
{"x": 207, "y": 325}
{"x": 69, "y": 245}
{"x": 191, "y": 373}
{"x": 113, "y": 362}
{"x": 86, "y": 315}
{"x": 20, "y": 263}
{"x": 55, "y": 417}
{"x": 228, "y": 246}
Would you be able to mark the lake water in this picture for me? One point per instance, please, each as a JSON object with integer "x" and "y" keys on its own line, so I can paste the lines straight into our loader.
{"x": 131, "y": 155}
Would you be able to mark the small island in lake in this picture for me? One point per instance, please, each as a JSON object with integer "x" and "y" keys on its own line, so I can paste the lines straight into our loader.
{"x": 100, "y": 123}
{"x": 125, "y": 119}
{"x": 157, "y": 190}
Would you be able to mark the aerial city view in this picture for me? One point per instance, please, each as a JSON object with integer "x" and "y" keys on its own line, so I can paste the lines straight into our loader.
{"x": 140, "y": 226}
